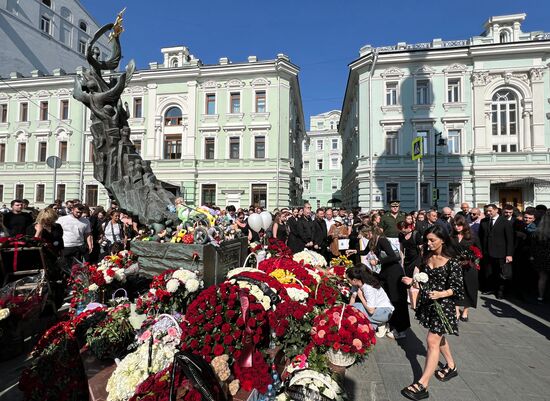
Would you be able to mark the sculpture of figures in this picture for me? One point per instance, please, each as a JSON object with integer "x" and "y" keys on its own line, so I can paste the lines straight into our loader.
{"x": 117, "y": 165}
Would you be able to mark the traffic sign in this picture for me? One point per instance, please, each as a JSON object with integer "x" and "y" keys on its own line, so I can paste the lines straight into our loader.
{"x": 417, "y": 148}
{"x": 53, "y": 162}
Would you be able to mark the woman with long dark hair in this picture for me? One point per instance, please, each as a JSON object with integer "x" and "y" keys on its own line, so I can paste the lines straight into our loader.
{"x": 464, "y": 239}
{"x": 444, "y": 286}
{"x": 369, "y": 297}
{"x": 540, "y": 253}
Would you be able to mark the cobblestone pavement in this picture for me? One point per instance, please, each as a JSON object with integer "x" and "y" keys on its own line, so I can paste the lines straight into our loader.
{"x": 502, "y": 353}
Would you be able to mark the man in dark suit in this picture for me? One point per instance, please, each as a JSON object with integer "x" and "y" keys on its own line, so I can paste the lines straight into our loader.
{"x": 431, "y": 219}
{"x": 319, "y": 237}
{"x": 301, "y": 231}
{"x": 508, "y": 213}
{"x": 497, "y": 240}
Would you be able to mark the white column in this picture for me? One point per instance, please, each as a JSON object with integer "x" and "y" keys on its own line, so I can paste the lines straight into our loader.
{"x": 482, "y": 120}
{"x": 527, "y": 144}
{"x": 539, "y": 117}
{"x": 191, "y": 134}
{"x": 151, "y": 132}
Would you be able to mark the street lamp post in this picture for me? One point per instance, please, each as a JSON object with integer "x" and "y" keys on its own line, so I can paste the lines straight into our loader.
{"x": 438, "y": 141}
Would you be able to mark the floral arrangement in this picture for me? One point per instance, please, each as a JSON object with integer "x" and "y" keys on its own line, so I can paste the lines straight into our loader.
{"x": 309, "y": 382}
{"x": 299, "y": 272}
{"x": 24, "y": 298}
{"x": 277, "y": 248}
{"x": 170, "y": 292}
{"x": 183, "y": 237}
{"x": 291, "y": 325}
{"x": 310, "y": 258}
{"x": 266, "y": 289}
{"x": 111, "y": 337}
{"x": 157, "y": 347}
{"x": 470, "y": 257}
{"x": 339, "y": 265}
{"x": 345, "y": 329}
{"x": 257, "y": 376}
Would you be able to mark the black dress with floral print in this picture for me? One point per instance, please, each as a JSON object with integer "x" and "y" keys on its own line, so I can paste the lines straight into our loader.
{"x": 448, "y": 276}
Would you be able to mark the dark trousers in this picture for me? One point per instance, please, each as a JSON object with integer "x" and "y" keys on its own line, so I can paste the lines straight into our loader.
{"x": 499, "y": 274}
{"x": 74, "y": 252}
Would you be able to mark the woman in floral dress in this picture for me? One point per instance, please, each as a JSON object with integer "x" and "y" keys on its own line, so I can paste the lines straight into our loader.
{"x": 444, "y": 287}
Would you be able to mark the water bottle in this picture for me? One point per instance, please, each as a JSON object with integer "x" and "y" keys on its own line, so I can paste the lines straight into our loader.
{"x": 271, "y": 395}
{"x": 276, "y": 379}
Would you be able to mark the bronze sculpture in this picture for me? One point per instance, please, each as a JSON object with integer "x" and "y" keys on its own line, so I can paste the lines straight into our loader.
{"x": 117, "y": 165}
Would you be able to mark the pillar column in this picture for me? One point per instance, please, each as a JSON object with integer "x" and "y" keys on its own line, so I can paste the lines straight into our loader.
{"x": 527, "y": 144}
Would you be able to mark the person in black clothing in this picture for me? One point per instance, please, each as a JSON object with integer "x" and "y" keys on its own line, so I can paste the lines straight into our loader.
{"x": 430, "y": 221}
{"x": 301, "y": 230}
{"x": 390, "y": 274}
{"x": 320, "y": 233}
{"x": 411, "y": 242}
{"x": 96, "y": 221}
{"x": 279, "y": 228}
{"x": 16, "y": 221}
{"x": 47, "y": 229}
{"x": 464, "y": 239}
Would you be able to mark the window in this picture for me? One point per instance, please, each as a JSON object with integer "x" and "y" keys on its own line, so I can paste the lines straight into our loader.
{"x": 47, "y": 3}
{"x": 306, "y": 185}
{"x": 319, "y": 144}
{"x": 19, "y": 191}
{"x": 453, "y": 90}
{"x": 172, "y": 147}
{"x": 454, "y": 194}
{"x": 259, "y": 195}
{"x": 334, "y": 184}
{"x": 425, "y": 200}
{"x": 64, "y": 113}
{"x": 422, "y": 91}
{"x": 173, "y": 116}
{"x": 43, "y": 111}
{"x": 334, "y": 144}
{"x": 174, "y": 63}
{"x": 332, "y": 125}
{"x": 259, "y": 147}
{"x": 137, "y": 146}
{"x": 234, "y": 147}
{"x": 391, "y": 93}
{"x": 1, "y": 193}
{"x": 334, "y": 163}
{"x": 90, "y": 152}
{"x": 392, "y": 192}
{"x": 392, "y": 143}
{"x": 306, "y": 146}
{"x": 209, "y": 148}
{"x": 235, "y": 103}
{"x": 3, "y": 113}
{"x": 42, "y": 151}
{"x": 453, "y": 142}
{"x": 2, "y": 152}
{"x": 63, "y": 151}
{"x": 45, "y": 24}
{"x": 504, "y": 36}
{"x": 24, "y": 112}
{"x": 138, "y": 107}
{"x": 425, "y": 141}
{"x": 504, "y": 118}
{"x": 91, "y": 195}
{"x": 260, "y": 102}
{"x": 306, "y": 165}
{"x": 21, "y": 153}
{"x": 60, "y": 192}
{"x": 82, "y": 46}
{"x": 208, "y": 195}
{"x": 39, "y": 195}
{"x": 319, "y": 164}
{"x": 319, "y": 186}
{"x": 210, "y": 103}
{"x": 83, "y": 26}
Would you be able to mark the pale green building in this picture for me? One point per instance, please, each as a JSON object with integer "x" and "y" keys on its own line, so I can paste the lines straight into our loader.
{"x": 481, "y": 102}
{"x": 223, "y": 134}
{"x": 322, "y": 155}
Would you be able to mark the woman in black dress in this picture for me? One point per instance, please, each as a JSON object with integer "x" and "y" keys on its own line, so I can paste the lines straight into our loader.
{"x": 279, "y": 228}
{"x": 391, "y": 274}
{"x": 464, "y": 239}
{"x": 444, "y": 286}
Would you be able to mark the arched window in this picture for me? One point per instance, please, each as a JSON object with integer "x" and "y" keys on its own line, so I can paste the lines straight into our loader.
{"x": 174, "y": 62}
{"x": 172, "y": 116}
{"x": 47, "y": 3}
{"x": 83, "y": 26}
{"x": 504, "y": 121}
{"x": 504, "y": 36}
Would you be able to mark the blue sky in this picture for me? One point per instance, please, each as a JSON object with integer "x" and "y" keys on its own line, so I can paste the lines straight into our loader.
{"x": 321, "y": 36}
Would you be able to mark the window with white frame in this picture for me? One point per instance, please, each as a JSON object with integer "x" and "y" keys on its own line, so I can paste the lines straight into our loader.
{"x": 235, "y": 102}
{"x": 91, "y": 195}
{"x": 44, "y": 111}
{"x": 334, "y": 143}
{"x": 453, "y": 142}
{"x": 39, "y": 194}
{"x": 24, "y": 111}
{"x": 334, "y": 163}
{"x": 425, "y": 199}
{"x": 259, "y": 195}
{"x": 453, "y": 90}
{"x": 392, "y": 143}
{"x": 64, "y": 109}
{"x": 210, "y": 106}
{"x": 392, "y": 192}
{"x": 62, "y": 150}
{"x": 306, "y": 165}
{"x": 260, "y": 102}
{"x": 208, "y": 194}
{"x": 259, "y": 147}
{"x": 422, "y": 91}
{"x": 391, "y": 93}
{"x": 306, "y": 146}
{"x": 425, "y": 140}
{"x": 3, "y": 113}
{"x": 19, "y": 191}
{"x": 454, "y": 194}
{"x": 319, "y": 144}
{"x": 209, "y": 148}
{"x": 319, "y": 186}
{"x": 2, "y": 152}
{"x": 138, "y": 107}
{"x": 504, "y": 121}
{"x": 21, "y": 152}
{"x": 334, "y": 184}
{"x": 234, "y": 147}
{"x": 61, "y": 191}
{"x": 306, "y": 185}
{"x": 45, "y": 24}
{"x": 82, "y": 46}
{"x": 319, "y": 164}
{"x": 42, "y": 151}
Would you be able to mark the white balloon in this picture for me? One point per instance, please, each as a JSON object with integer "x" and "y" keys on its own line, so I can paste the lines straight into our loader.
{"x": 266, "y": 219}
{"x": 255, "y": 222}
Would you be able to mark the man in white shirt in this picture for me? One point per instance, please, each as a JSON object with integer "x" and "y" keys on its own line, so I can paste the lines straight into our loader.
{"x": 77, "y": 236}
{"x": 329, "y": 220}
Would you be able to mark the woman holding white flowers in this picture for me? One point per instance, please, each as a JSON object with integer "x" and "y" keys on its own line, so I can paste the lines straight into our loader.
{"x": 440, "y": 283}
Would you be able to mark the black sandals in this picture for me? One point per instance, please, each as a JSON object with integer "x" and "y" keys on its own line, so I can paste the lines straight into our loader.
{"x": 446, "y": 373}
{"x": 417, "y": 391}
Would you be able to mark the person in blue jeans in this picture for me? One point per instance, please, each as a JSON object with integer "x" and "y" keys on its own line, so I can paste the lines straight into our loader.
{"x": 369, "y": 297}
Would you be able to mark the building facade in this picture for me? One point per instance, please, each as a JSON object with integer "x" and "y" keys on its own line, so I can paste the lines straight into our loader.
{"x": 39, "y": 36}
{"x": 224, "y": 134}
{"x": 480, "y": 106}
{"x": 322, "y": 155}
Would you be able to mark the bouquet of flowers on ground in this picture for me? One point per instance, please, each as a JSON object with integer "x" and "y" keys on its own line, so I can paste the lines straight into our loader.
{"x": 23, "y": 298}
{"x": 169, "y": 292}
{"x": 266, "y": 289}
{"x": 310, "y": 258}
{"x": 343, "y": 328}
{"x": 113, "y": 335}
{"x": 291, "y": 325}
{"x": 421, "y": 279}
{"x": 311, "y": 385}
{"x": 470, "y": 257}
{"x": 339, "y": 265}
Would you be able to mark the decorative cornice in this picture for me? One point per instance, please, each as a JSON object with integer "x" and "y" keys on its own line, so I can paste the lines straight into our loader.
{"x": 536, "y": 74}
{"x": 135, "y": 90}
{"x": 481, "y": 78}
{"x": 455, "y": 68}
{"x": 425, "y": 70}
{"x": 260, "y": 82}
{"x": 209, "y": 85}
{"x": 235, "y": 83}
{"x": 392, "y": 72}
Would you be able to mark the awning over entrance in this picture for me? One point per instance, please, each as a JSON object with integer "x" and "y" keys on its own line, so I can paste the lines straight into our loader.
{"x": 510, "y": 182}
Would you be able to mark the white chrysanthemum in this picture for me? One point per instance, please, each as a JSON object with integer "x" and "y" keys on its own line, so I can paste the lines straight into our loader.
{"x": 421, "y": 277}
{"x": 172, "y": 285}
{"x": 296, "y": 294}
{"x": 4, "y": 313}
{"x": 93, "y": 287}
{"x": 182, "y": 275}
{"x": 240, "y": 270}
{"x": 310, "y": 258}
{"x": 120, "y": 275}
{"x": 108, "y": 279}
{"x": 192, "y": 285}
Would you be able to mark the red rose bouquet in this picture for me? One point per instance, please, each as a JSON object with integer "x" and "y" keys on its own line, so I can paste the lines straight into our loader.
{"x": 345, "y": 329}
{"x": 157, "y": 388}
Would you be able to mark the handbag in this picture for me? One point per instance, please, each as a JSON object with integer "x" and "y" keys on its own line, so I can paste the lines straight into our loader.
{"x": 506, "y": 272}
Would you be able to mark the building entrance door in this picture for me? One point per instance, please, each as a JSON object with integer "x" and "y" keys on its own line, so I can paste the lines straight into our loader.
{"x": 511, "y": 196}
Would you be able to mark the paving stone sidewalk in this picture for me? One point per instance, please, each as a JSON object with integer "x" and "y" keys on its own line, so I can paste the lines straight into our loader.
{"x": 502, "y": 353}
